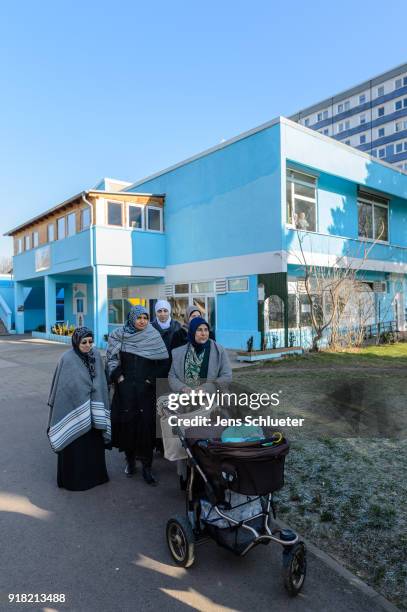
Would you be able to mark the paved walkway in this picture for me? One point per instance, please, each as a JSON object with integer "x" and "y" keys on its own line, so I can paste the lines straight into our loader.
{"x": 105, "y": 549}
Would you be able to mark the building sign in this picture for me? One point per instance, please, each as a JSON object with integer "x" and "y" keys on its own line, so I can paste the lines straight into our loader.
{"x": 42, "y": 259}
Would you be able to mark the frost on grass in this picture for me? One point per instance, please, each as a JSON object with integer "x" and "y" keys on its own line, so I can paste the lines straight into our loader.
{"x": 349, "y": 496}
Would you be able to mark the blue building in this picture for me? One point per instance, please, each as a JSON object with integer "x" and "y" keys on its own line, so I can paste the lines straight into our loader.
{"x": 231, "y": 230}
{"x": 371, "y": 116}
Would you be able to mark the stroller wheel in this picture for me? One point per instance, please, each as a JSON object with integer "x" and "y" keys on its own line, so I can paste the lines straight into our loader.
{"x": 294, "y": 568}
{"x": 181, "y": 541}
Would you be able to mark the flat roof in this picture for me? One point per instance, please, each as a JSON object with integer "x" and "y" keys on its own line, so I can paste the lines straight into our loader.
{"x": 376, "y": 80}
{"x": 89, "y": 192}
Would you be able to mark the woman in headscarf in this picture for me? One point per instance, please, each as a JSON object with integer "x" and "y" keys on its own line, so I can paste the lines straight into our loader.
{"x": 133, "y": 355}
{"x": 79, "y": 417}
{"x": 164, "y": 323}
{"x": 181, "y": 335}
{"x": 201, "y": 363}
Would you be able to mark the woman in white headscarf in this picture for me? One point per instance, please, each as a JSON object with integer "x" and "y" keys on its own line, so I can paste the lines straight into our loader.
{"x": 165, "y": 325}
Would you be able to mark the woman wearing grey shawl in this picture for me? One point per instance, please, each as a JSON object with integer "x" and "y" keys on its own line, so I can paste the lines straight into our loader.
{"x": 79, "y": 416}
{"x": 133, "y": 356}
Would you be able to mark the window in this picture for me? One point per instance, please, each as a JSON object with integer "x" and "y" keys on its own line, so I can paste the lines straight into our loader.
{"x": 362, "y": 119}
{"x": 380, "y": 132}
{"x": 347, "y": 142}
{"x": 136, "y": 220}
{"x": 114, "y": 213}
{"x": 340, "y": 108}
{"x": 51, "y": 232}
{"x": 380, "y": 91}
{"x": 325, "y": 114}
{"x": 405, "y": 102}
{"x": 326, "y": 132}
{"x": 346, "y": 105}
{"x": 61, "y": 228}
{"x": 238, "y": 284}
{"x": 306, "y": 121}
{"x": 204, "y": 287}
{"x": 347, "y": 125}
{"x": 27, "y": 244}
{"x": 399, "y": 147}
{"x": 380, "y": 111}
{"x": 397, "y": 83}
{"x": 154, "y": 219}
{"x": 362, "y": 139}
{"x": 19, "y": 245}
{"x": 374, "y": 152}
{"x": 35, "y": 239}
{"x": 181, "y": 288}
{"x": 405, "y": 145}
{"x": 319, "y": 117}
{"x": 71, "y": 224}
{"x": 382, "y": 153}
{"x": 340, "y": 127}
{"x": 301, "y": 200}
{"x": 362, "y": 98}
{"x": 373, "y": 213}
{"x": 85, "y": 218}
{"x": 398, "y": 105}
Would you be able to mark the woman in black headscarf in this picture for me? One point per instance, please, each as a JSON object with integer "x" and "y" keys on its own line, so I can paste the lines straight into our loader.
{"x": 79, "y": 419}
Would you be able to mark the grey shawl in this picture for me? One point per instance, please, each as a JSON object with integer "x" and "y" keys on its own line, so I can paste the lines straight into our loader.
{"x": 219, "y": 370}
{"x": 144, "y": 343}
{"x": 77, "y": 403}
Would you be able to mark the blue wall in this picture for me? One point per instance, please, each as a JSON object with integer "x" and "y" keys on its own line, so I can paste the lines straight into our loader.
{"x": 237, "y": 317}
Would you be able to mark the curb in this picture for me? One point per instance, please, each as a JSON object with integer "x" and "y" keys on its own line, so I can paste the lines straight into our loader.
{"x": 333, "y": 564}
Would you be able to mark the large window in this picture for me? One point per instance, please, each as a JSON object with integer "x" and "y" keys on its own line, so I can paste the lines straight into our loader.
{"x": 71, "y": 224}
{"x": 35, "y": 240}
{"x": 154, "y": 219}
{"x": 61, "y": 228}
{"x": 51, "y": 232}
{"x": 136, "y": 217}
{"x": 301, "y": 200}
{"x": 373, "y": 217}
{"x": 238, "y": 284}
{"x": 85, "y": 218}
{"x": 114, "y": 213}
{"x": 27, "y": 243}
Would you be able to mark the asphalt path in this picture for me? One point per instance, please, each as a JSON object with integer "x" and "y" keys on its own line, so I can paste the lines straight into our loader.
{"x": 105, "y": 549}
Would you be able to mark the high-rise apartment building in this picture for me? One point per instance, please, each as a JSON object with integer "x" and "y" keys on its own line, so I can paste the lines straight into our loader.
{"x": 371, "y": 116}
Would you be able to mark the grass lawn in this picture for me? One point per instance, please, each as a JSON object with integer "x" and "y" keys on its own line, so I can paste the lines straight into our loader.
{"x": 346, "y": 474}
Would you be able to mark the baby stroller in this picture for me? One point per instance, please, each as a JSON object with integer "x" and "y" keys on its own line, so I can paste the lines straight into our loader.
{"x": 229, "y": 499}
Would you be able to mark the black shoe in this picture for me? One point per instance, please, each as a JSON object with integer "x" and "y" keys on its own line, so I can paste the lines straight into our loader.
{"x": 149, "y": 477}
{"x": 130, "y": 468}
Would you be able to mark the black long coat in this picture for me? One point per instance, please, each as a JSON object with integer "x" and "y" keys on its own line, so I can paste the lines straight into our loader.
{"x": 133, "y": 406}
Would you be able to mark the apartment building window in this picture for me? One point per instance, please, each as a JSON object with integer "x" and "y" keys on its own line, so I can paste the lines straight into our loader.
{"x": 51, "y": 232}
{"x": 325, "y": 114}
{"x": 380, "y": 91}
{"x": 115, "y": 213}
{"x": 319, "y": 117}
{"x": 399, "y": 147}
{"x": 347, "y": 142}
{"x": 374, "y": 152}
{"x": 61, "y": 228}
{"x": 362, "y": 98}
{"x": 306, "y": 122}
{"x": 301, "y": 200}
{"x": 373, "y": 217}
{"x": 71, "y": 224}
{"x": 380, "y": 132}
{"x": 346, "y": 105}
{"x": 400, "y": 83}
{"x": 347, "y": 125}
{"x": 35, "y": 239}
{"x": 85, "y": 218}
{"x": 382, "y": 153}
{"x": 136, "y": 217}
{"x": 326, "y": 132}
{"x": 340, "y": 127}
{"x": 154, "y": 219}
{"x": 380, "y": 111}
{"x": 400, "y": 104}
{"x": 362, "y": 139}
{"x": 340, "y": 108}
{"x": 27, "y": 243}
{"x": 362, "y": 119}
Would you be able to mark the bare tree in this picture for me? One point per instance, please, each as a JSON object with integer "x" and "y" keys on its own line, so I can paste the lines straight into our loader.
{"x": 6, "y": 265}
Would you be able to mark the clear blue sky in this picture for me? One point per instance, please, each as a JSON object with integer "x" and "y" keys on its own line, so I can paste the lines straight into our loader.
{"x": 125, "y": 88}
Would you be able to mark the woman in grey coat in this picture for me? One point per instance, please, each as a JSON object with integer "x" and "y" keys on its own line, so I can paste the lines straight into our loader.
{"x": 203, "y": 364}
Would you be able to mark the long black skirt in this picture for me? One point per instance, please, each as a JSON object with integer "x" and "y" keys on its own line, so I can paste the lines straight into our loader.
{"x": 82, "y": 465}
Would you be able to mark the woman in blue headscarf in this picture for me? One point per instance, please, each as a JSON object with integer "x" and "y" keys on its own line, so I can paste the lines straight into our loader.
{"x": 133, "y": 355}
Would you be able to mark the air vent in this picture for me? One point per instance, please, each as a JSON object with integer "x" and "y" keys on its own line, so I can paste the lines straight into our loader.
{"x": 168, "y": 290}
{"x": 220, "y": 285}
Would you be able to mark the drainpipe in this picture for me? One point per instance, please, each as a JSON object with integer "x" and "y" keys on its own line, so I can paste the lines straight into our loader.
{"x": 92, "y": 263}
